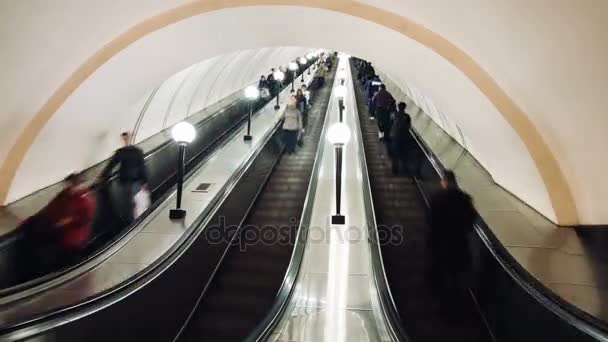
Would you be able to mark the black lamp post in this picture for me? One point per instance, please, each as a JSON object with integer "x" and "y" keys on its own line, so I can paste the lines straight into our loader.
{"x": 278, "y": 78}
{"x": 338, "y": 135}
{"x": 340, "y": 93}
{"x": 293, "y": 67}
{"x": 302, "y": 62}
{"x": 252, "y": 93}
{"x": 183, "y": 133}
{"x": 342, "y": 76}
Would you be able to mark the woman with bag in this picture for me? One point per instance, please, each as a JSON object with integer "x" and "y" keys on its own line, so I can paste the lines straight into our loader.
{"x": 292, "y": 125}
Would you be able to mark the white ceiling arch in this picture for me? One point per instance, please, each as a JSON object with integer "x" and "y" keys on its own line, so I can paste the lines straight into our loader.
{"x": 533, "y": 160}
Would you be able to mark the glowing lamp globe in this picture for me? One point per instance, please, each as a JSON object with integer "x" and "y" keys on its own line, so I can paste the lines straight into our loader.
{"x": 340, "y": 92}
{"x": 279, "y": 75}
{"x": 338, "y": 134}
{"x": 252, "y": 92}
{"x": 183, "y": 132}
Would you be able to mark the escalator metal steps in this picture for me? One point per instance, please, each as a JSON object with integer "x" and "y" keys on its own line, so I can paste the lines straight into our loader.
{"x": 398, "y": 203}
{"x": 248, "y": 280}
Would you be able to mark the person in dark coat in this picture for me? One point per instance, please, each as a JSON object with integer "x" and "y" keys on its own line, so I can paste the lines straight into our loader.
{"x": 401, "y": 141}
{"x": 262, "y": 83}
{"x": 132, "y": 175}
{"x": 301, "y": 104}
{"x": 452, "y": 215}
{"x": 372, "y": 84}
{"x": 383, "y": 103}
{"x": 272, "y": 83}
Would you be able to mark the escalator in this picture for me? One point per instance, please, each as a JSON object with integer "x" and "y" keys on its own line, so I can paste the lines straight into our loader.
{"x": 248, "y": 278}
{"x": 155, "y": 304}
{"x": 397, "y": 203}
{"x": 108, "y": 226}
{"x": 214, "y": 129}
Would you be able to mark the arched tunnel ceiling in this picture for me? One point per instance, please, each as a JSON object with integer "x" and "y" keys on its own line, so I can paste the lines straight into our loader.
{"x": 525, "y": 80}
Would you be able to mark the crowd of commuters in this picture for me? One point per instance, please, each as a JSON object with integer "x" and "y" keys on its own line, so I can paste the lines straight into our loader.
{"x": 451, "y": 214}
{"x": 394, "y": 124}
{"x": 295, "y": 115}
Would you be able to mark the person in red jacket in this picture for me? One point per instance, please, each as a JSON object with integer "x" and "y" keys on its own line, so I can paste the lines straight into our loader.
{"x": 70, "y": 214}
{"x": 56, "y": 236}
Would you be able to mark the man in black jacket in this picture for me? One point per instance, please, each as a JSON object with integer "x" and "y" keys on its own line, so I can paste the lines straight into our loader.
{"x": 383, "y": 103}
{"x": 132, "y": 174}
{"x": 401, "y": 141}
{"x": 452, "y": 217}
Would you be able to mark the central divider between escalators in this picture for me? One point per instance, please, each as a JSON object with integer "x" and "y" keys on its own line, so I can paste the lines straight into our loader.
{"x": 244, "y": 285}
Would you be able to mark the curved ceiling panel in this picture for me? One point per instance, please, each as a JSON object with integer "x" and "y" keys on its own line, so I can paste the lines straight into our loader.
{"x": 547, "y": 56}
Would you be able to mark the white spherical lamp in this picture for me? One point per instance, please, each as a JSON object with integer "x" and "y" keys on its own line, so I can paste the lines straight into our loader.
{"x": 338, "y": 134}
{"x": 340, "y": 92}
{"x": 183, "y": 132}
{"x": 279, "y": 75}
{"x": 303, "y": 60}
{"x": 252, "y": 92}
{"x": 293, "y": 66}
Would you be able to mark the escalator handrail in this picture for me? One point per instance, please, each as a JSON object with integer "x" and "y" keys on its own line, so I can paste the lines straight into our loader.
{"x": 264, "y": 329}
{"x": 389, "y": 308}
{"x": 115, "y": 294}
{"x": 35, "y": 286}
{"x": 566, "y": 311}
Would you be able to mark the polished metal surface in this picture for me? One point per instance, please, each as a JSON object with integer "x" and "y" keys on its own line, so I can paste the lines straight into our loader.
{"x": 157, "y": 234}
{"x": 335, "y": 298}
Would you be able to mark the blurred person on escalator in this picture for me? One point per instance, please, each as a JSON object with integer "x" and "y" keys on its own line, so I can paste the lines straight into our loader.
{"x": 371, "y": 86}
{"x": 292, "y": 125}
{"x": 132, "y": 175}
{"x": 401, "y": 140}
{"x": 262, "y": 83}
{"x": 301, "y": 103}
{"x": 70, "y": 215}
{"x": 56, "y": 236}
{"x": 321, "y": 74}
{"x": 263, "y": 87}
{"x": 306, "y": 93}
{"x": 384, "y": 104}
{"x": 271, "y": 83}
{"x": 452, "y": 215}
